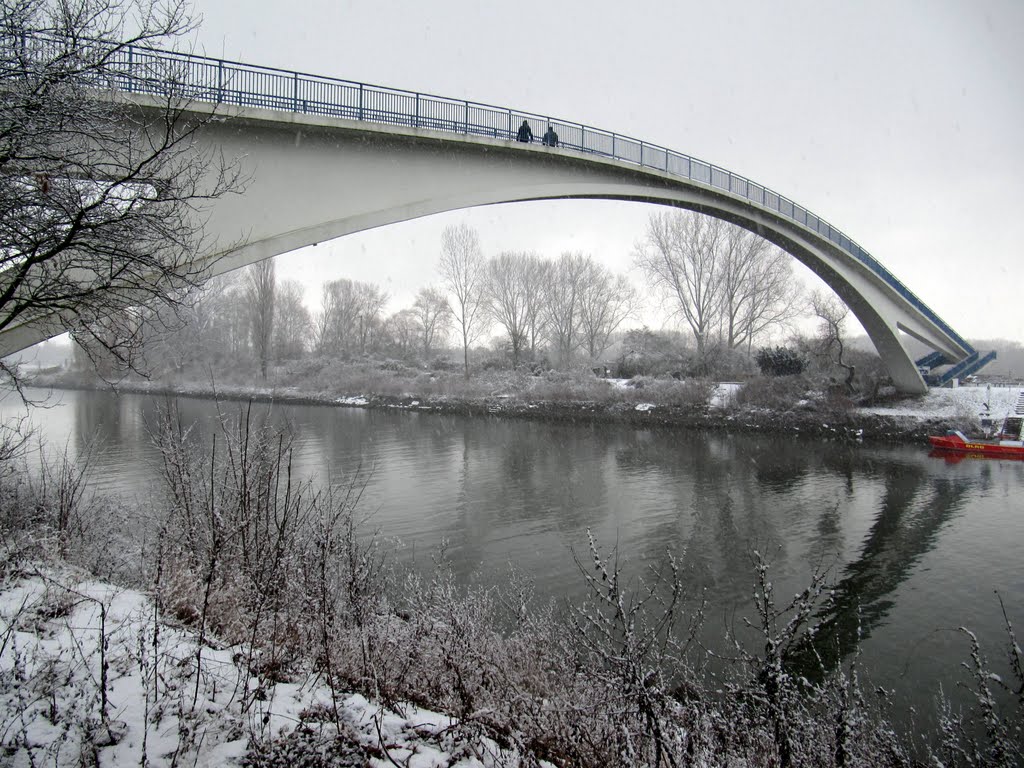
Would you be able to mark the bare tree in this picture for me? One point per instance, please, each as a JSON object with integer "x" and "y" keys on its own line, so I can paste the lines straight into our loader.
{"x": 98, "y": 197}
{"x": 259, "y": 294}
{"x": 464, "y": 271}
{"x": 198, "y": 337}
{"x": 566, "y": 283}
{"x": 433, "y": 316}
{"x": 508, "y": 299}
{"x": 323, "y": 321}
{"x": 292, "y": 323}
{"x": 832, "y": 314}
{"x": 403, "y": 331}
{"x": 535, "y": 275}
{"x": 350, "y": 316}
{"x": 370, "y": 302}
{"x": 759, "y": 291}
{"x": 231, "y": 310}
{"x": 605, "y": 302}
{"x": 680, "y": 255}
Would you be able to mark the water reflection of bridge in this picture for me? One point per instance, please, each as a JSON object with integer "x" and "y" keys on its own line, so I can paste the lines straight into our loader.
{"x": 748, "y": 493}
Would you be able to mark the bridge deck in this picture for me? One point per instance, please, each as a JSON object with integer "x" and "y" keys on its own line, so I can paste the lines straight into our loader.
{"x": 147, "y": 71}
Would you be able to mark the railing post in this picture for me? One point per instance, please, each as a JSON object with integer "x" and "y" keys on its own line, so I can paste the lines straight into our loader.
{"x": 360, "y": 101}
{"x": 614, "y": 156}
{"x": 131, "y": 74}
{"x": 220, "y": 80}
{"x": 295, "y": 91}
{"x": 417, "y": 123}
{"x": 465, "y": 122}
{"x": 641, "y": 154}
{"x": 583, "y": 137}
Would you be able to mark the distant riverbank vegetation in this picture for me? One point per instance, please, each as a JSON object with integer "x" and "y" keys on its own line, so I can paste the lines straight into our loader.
{"x": 517, "y": 326}
{"x": 525, "y": 328}
{"x": 524, "y": 314}
{"x": 238, "y": 611}
{"x": 647, "y": 378}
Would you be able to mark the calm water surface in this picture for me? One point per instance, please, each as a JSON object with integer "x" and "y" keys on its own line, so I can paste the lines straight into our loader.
{"x": 917, "y": 546}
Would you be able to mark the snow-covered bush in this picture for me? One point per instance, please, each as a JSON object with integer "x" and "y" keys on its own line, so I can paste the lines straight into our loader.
{"x": 780, "y": 361}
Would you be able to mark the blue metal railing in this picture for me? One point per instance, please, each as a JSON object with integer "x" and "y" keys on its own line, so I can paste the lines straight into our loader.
{"x": 970, "y": 364}
{"x": 931, "y": 360}
{"x": 137, "y": 69}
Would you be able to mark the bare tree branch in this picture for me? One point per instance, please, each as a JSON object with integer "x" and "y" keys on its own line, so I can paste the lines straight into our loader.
{"x": 101, "y": 201}
{"x": 832, "y": 313}
{"x": 259, "y": 294}
{"x": 605, "y": 303}
{"x": 464, "y": 271}
{"x": 432, "y": 317}
{"x": 680, "y": 255}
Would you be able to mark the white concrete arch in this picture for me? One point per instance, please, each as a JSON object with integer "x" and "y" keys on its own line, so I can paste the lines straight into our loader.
{"x": 314, "y": 178}
{"x": 345, "y": 176}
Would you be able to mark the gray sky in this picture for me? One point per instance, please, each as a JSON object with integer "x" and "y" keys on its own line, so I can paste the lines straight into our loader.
{"x": 899, "y": 121}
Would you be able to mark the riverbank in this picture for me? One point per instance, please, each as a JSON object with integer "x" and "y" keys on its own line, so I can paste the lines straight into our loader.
{"x": 176, "y": 697}
{"x": 254, "y": 624}
{"x": 640, "y": 403}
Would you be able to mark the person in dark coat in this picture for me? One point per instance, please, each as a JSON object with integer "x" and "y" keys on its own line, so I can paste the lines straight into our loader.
{"x": 550, "y": 138}
{"x": 524, "y": 134}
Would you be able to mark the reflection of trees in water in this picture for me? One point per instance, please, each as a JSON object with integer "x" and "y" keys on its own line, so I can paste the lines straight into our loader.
{"x": 906, "y": 528}
{"x": 107, "y": 427}
{"x": 829, "y": 538}
{"x": 536, "y": 486}
{"x": 778, "y": 467}
{"x": 551, "y": 471}
{"x": 97, "y": 423}
{"x": 721, "y": 509}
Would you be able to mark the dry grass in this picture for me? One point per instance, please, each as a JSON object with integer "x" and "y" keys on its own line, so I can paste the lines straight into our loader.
{"x": 336, "y": 379}
{"x": 780, "y": 393}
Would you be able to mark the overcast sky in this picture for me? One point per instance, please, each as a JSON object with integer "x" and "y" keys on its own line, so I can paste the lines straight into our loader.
{"x": 900, "y": 122}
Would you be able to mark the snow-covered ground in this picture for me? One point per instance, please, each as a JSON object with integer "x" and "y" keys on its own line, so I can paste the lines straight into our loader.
{"x": 88, "y": 676}
{"x": 962, "y": 402}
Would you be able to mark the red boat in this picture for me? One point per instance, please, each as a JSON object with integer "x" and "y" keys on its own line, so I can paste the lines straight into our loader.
{"x": 956, "y": 442}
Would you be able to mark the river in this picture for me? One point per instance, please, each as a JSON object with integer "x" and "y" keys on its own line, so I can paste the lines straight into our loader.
{"x": 918, "y": 545}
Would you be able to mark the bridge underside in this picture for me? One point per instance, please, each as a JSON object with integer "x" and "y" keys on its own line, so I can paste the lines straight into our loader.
{"x": 315, "y": 179}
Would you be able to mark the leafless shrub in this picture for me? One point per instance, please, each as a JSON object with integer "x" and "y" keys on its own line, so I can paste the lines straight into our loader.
{"x": 227, "y": 546}
{"x": 991, "y": 731}
{"x": 688, "y": 393}
{"x": 628, "y": 639}
{"x": 306, "y": 746}
{"x": 775, "y": 392}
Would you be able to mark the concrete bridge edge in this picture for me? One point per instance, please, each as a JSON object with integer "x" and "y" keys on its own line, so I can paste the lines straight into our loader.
{"x": 549, "y": 174}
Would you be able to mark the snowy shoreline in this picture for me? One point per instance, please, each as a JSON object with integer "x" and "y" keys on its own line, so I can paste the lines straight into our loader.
{"x": 58, "y": 623}
{"x": 908, "y": 420}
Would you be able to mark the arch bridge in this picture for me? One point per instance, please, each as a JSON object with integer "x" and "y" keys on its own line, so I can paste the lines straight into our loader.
{"x": 328, "y": 157}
